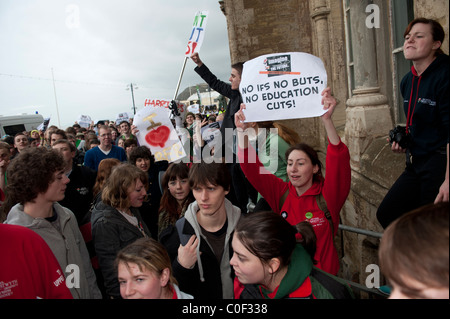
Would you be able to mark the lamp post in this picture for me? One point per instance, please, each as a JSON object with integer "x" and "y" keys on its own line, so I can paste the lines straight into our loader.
{"x": 132, "y": 87}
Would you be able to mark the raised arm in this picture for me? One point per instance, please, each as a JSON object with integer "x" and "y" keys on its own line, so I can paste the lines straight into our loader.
{"x": 329, "y": 103}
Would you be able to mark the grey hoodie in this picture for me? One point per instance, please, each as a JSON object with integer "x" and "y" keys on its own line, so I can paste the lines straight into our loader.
{"x": 233, "y": 216}
{"x": 67, "y": 245}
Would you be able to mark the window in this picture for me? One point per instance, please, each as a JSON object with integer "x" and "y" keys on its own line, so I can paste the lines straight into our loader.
{"x": 402, "y": 14}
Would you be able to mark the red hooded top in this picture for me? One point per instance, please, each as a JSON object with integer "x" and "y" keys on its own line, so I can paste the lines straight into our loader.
{"x": 334, "y": 188}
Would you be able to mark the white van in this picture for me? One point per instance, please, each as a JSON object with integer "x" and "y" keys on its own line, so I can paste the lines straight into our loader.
{"x": 11, "y": 125}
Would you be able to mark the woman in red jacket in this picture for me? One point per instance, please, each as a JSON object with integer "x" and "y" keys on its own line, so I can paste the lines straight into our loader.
{"x": 307, "y": 195}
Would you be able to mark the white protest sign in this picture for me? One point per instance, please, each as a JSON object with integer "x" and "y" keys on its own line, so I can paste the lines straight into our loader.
{"x": 84, "y": 121}
{"x": 194, "y": 108}
{"x": 197, "y": 33}
{"x": 211, "y": 132}
{"x": 43, "y": 126}
{"x": 157, "y": 132}
{"x": 283, "y": 86}
{"x": 122, "y": 117}
{"x": 164, "y": 103}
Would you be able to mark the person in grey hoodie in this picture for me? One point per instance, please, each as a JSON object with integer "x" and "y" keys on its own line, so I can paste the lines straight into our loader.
{"x": 200, "y": 244}
{"x": 36, "y": 182}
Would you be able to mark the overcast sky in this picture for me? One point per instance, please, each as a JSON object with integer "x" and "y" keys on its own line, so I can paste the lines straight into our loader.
{"x": 98, "y": 47}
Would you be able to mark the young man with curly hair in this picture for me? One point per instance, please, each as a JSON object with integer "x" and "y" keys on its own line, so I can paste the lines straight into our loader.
{"x": 36, "y": 182}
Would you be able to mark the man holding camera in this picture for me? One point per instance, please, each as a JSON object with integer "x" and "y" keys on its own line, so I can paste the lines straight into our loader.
{"x": 425, "y": 138}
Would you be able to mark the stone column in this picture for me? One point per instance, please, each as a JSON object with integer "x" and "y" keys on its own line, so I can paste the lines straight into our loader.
{"x": 368, "y": 114}
{"x": 319, "y": 15}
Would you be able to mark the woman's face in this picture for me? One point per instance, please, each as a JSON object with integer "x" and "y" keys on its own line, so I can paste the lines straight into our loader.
{"x": 135, "y": 283}
{"x": 137, "y": 193}
{"x": 179, "y": 188}
{"x": 143, "y": 164}
{"x": 248, "y": 268}
{"x": 300, "y": 170}
{"x": 419, "y": 43}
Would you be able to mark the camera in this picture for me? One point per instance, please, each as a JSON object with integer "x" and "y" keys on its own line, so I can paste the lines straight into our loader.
{"x": 399, "y": 135}
{"x": 174, "y": 108}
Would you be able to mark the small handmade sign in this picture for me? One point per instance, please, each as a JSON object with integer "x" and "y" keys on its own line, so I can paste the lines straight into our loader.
{"x": 197, "y": 33}
{"x": 157, "y": 132}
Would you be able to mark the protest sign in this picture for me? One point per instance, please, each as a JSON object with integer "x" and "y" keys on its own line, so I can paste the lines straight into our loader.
{"x": 84, "y": 121}
{"x": 157, "y": 132}
{"x": 164, "y": 103}
{"x": 43, "y": 126}
{"x": 122, "y": 117}
{"x": 283, "y": 86}
{"x": 211, "y": 133}
{"x": 197, "y": 33}
{"x": 194, "y": 108}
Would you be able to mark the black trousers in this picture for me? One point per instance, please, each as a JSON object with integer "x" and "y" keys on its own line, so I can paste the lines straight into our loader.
{"x": 418, "y": 185}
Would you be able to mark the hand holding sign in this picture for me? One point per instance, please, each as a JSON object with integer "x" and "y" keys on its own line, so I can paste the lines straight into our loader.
{"x": 283, "y": 86}
{"x": 154, "y": 129}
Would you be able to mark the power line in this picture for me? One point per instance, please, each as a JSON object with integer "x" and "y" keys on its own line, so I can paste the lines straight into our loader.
{"x": 61, "y": 81}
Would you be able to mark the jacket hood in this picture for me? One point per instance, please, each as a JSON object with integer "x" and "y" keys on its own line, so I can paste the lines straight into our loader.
{"x": 298, "y": 270}
{"x": 17, "y": 216}
{"x": 233, "y": 216}
{"x": 315, "y": 189}
{"x": 100, "y": 210}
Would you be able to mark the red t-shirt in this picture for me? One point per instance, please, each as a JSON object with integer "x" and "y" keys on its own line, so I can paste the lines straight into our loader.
{"x": 29, "y": 270}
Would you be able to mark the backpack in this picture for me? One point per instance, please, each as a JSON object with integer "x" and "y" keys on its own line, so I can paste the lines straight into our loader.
{"x": 321, "y": 202}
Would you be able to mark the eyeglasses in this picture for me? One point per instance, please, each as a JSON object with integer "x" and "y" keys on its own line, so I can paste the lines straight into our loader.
{"x": 106, "y": 134}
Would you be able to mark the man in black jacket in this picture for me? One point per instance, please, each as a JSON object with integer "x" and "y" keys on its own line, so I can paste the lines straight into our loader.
{"x": 241, "y": 189}
{"x": 78, "y": 195}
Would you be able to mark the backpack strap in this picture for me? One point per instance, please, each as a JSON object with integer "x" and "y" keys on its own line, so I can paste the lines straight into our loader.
{"x": 184, "y": 238}
{"x": 322, "y": 203}
{"x": 283, "y": 199}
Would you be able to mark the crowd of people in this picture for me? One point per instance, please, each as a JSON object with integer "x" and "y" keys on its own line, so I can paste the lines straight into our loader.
{"x": 87, "y": 213}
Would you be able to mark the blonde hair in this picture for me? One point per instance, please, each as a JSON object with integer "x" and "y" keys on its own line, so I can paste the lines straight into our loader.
{"x": 115, "y": 190}
{"x": 149, "y": 254}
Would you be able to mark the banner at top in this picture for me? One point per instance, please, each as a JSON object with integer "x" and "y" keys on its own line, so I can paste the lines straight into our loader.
{"x": 283, "y": 86}
{"x": 197, "y": 33}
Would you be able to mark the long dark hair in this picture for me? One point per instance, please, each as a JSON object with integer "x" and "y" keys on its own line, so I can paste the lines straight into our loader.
{"x": 267, "y": 235}
{"x": 168, "y": 203}
{"x": 311, "y": 153}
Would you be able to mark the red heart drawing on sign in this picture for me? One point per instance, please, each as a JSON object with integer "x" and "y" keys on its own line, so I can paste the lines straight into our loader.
{"x": 158, "y": 137}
